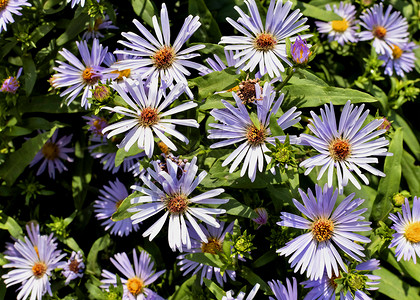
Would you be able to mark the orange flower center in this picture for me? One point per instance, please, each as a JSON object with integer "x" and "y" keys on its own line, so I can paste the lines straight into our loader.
{"x": 379, "y": 32}
{"x": 256, "y": 136}
{"x": 164, "y": 58}
{"x": 121, "y": 74}
{"x": 396, "y": 52}
{"x": 36, "y": 250}
{"x": 135, "y": 285}
{"x": 412, "y": 232}
{"x": 74, "y": 266}
{"x": 39, "y": 269}
{"x": 177, "y": 204}
{"x": 88, "y": 76}
{"x": 149, "y": 117}
{"x": 340, "y": 26}
{"x": 50, "y": 151}
{"x": 322, "y": 229}
{"x": 213, "y": 246}
{"x": 265, "y": 42}
{"x": 3, "y": 4}
{"x": 339, "y": 149}
{"x": 98, "y": 126}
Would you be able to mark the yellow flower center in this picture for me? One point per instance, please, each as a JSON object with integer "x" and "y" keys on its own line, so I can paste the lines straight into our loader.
{"x": 50, "y": 151}
{"x": 149, "y": 117}
{"x": 177, "y": 204}
{"x": 340, "y": 149}
{"x": 379, "y": 32}
{"x": 87, "y": 76}
{"x": 121, "y": 74}
{"x": 163, "y": 147}
{"x": 164, "y": 58}
{"x": 135, "y": 285}
{"x": 39, "y": 269}
{"x": 340, "y": 26}
{"x": 36, "y": 250}
{"x": 265, "y": 42}
{"x": 396, "y": 52}
{"x": 3, "y": 4}
{"x": 412, "y": 232}
{"x": 322, "y": 229}
{"x": 256, "y": 136}
{"x": 213, "y": 246}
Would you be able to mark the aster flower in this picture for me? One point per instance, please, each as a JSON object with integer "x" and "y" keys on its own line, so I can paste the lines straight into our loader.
{"x": 355, "y": 283}
{"x": 81, "y": 76}
{"x": 315, "y": 251}
{"x": 215, "y": 237}
{"x": 407, "y": 237}
{"x": 262, "y": 216}
{"x": 9, "y": 7}
{"x": 11, "y": 84}
{"x": 241, "y": 295}
{"x": 110, "y": 199}
{"x": 99, "y": 24}
{"x": 386, "y": 29}
{"x": 157, "y": 57}
{"x": 33, "y": 267}
{"x": 401, "y": 61}
{"x": 146, "y": 117}
{"x": 135, "y": 280}
{"x": 236, "y": 126}
{"x": 343, "y": 31}
{"x": 300, "y": 51}
{"x": 81, "y": 2}
{"x": 174, "y": 198}
{"x": 346, "y": 149}
{"x": 52, "y": 154}
{"x": 74, "y": 267}
{"x": 112, "y": 60}
{"x": 264, "y": 46}
{"x": 281, "y": 292}
{"x": 217, "y": 64}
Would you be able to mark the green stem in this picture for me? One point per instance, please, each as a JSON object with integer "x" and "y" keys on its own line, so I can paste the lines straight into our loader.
{"x": 290, "y": 74}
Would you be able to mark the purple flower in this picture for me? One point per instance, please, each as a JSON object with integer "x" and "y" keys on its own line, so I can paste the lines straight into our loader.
{"x": 300, "y": 51}
{"x": 316, "y": 251}
{"x": 262, "y": 216}
{"x": 11, "y": 84}
{"x": 401, "y": 61}
{"x": 74, "y": 267}
{"x": 9, "y": 7}
{"x": 281, "y": 292}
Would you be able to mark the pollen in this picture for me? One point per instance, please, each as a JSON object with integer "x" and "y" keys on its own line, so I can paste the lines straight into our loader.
{"x": 340, "y": 149}
{"x": 3, "y": 4}
{"x": 412, "y": 232}
{"x": 121, "y": 74}
{"x": 39, "y": 269}
{"x": 164, "y": 58}
{"x": 340, "y": 26}
{"x": 213, "y": 246}
{"x": 149, "y": 117}
{"x": 379, "y": 32}
{"x": 135, "y": 286}
{"x": 265, "y": 42}
{"x": 89, "y": 76}
{"x": 74, "y": 266}
{"x": 50, "y": 151}
{"x": 247, "y": 91}
{"x": 396, "y": 52}
{"x": 322, "y": 229}
{"x": 256, "y": 136}
{"x": 177, "y": 204}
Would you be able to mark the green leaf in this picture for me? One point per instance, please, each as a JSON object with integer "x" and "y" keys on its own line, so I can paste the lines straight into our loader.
{"x": 41, "y": 31}
{"x": 18, "y": 160}
{"x": 214, "y": 288}
{"x": 310, "y": 95}
{"x": 91, "y": 262}
{"x": 53, "y": 104}
{"x": 82, "y": 175}
{"x": 306, "y": 77}
{"x": 405, "y": 267}
{"x": 75, "y": 26}
{"x": 209, "y": 30}
{"x": 395, "y": 288}
{"x": 411, "y": 173}
{"x": 274, "y": 127}
{"x": 253, "y": 278}
{"x": 9, "y": 224}
{"x": 29, "y": 71}
{"x": 72, "y": 244}
{"x": 184, "y": 291}
{"x": 145, "y": 10}
{"x": 254, "y": 119}
{"x": 6, "y": 48}
{"x": 122, "y": 212}
{"x": 409, "y": 137}
{"x": 215, "y": 82}
{"x": 206, "y": 259}
{"x": 264, "y": 259}
{"x": 391, "y": 183}
{"x": 236, "y": 208}
{"x": 122, "y": 154}
{"x": 311, "y": 11}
